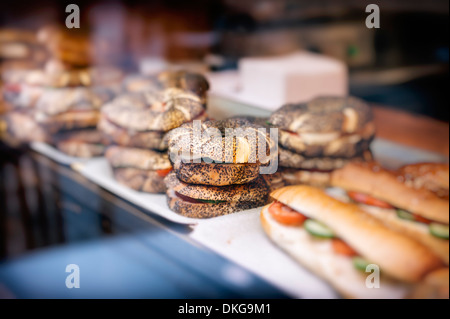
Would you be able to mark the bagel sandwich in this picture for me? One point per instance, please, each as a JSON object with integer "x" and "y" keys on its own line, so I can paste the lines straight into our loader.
{"x": 325, "y": 126}
{"x": 220, "y": 159}
{"x": 417, "y": 213}
{"x": 200, "y": 201}
{"x": 143, "y": 119}
{"x": 84, "y": 143}
{"x": 339, "y": 242}
{"x": 141, "y": 170}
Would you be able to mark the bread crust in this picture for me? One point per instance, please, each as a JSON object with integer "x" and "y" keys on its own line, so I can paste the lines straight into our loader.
{"x": 372, "y": 179}
{"x": 397, "y": 255}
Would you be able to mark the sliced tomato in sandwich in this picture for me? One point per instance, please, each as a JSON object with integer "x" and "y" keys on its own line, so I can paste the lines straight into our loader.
{"x": 164, "y": 172}
{"x": 369, "y": 200}
{"x": 286, "y": 215}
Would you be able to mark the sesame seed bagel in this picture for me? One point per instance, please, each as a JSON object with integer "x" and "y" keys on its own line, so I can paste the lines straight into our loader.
{"x": 217, "y": 141}
{"x": 127, "y": 137}
{"x": 216, "y": 174}
{"x": 326, "y": 126}
{"x": 291, "y": 159}
{"x": 154, "y": 111}
{"x": 257, "y": 190}
{"x": 140, "y": 180}
{"x": 125, "y": 157}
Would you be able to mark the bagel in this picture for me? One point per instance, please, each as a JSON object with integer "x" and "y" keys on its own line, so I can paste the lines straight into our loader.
{"x": 127, "y": 137}
{"x": 141, "y": 170}
{"x": 140, "y": 180}
{"x": 187, "y": 81}
{"x": 289, "y": 159}
{"x": 193, "y": 82}
{"x": 125, "y": 157}
{"x": 326, "y": 126}
{"x": 81, "y": 143}
{"x": 216, "y": 174}
{"x": 197, "y": 201}
{"x": 213, "y": 143}
{"x": 154, "y": 111}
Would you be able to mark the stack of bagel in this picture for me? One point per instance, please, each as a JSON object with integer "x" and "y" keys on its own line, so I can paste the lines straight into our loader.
{"x": 60, "y": 102}
{"x": 320, "y": 136}
{"x": 137, "y": 121}
{"x": 218, "y": 175}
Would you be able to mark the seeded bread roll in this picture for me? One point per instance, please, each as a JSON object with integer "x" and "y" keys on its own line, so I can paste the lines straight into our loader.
{"x": 208, "y": 210}
{"x": 398, "y": 256}
{"x": 373, "y": 180}
{"x": 257, "y": 190}
{"x": 216, "y": 174}
{"x": 326, "y": 126}
{"x": 154, "y": 111}
{"x": 235, "y": 140}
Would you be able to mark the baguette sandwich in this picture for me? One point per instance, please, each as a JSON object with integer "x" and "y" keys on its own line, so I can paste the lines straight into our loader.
{"x": 417, "y": 213}
{"x": 338, "y": 241}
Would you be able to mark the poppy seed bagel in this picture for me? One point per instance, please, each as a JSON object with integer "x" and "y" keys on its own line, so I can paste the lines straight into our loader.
{"x": 289, "y": 159}
{"x": 125, "y": 157}
{"x": 154, "y": 111}
{"x": 216, "y": 174}
{"x": 215, "y": 140}
{"x": 325, "y": 126}
{"x": 140, "y": 180}
{"x": 207, "y": 210}
{"x": 257, "y": 190}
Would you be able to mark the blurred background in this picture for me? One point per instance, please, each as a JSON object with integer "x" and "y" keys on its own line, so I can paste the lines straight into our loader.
{"x": 403, "y": 65}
